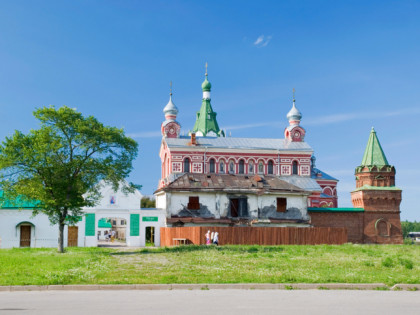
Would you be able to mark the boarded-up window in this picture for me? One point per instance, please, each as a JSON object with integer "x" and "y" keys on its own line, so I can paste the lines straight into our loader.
{"x": 193, "y": 203}
{"x": 281, "y": 204}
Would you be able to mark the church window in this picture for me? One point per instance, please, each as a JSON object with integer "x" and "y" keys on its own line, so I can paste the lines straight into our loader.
{"x": 260, "y": 168}
{"x": 187, "y": 165}
{"x": 251, "y": 167}
{"x": 295, "y": 168}
{"x": 193, "y": 203}
{"x": 281, "y": 204}
{"x": 270, "y": 167}
{"x": 221, "y": 167}
{"x": 231, "y": 167}
{"x": 241, "y": 167}
{"x": 212, "y": 165}
{"x": 208, "y": 116}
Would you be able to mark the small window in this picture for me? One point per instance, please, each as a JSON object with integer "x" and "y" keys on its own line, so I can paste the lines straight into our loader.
{"x": 241, "y": 167}
{"x": 122, "y": 222}
{"x": 193, "y": 203}
{"x": 212, "y": 166}
{"x": 295, "y": 168}
{"x": 270, "y": 167}
{"x": 251, "y": 167}
{"x": 187, "y": 165}
{"x": 261, "y": 168}
{"x": 281, "y": 204}
{"x": 114, "y": 222}
{"x": 231, "y": 168}
{"x": 222, "y": 167}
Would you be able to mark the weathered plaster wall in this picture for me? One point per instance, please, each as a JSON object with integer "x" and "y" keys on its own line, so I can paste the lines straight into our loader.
{"x": 296, "y": 207}
{"x": 216, "y": 205}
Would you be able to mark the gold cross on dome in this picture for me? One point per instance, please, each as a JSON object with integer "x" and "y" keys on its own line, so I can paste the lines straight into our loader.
{"x": 293, "y": 94}
{"x": 206, "y": 68}
{"x": 170, "y": 88}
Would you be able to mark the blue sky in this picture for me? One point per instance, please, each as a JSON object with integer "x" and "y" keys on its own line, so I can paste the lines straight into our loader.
{"x": 354, "y": 64}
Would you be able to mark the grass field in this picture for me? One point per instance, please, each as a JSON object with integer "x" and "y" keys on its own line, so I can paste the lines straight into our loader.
{"x": 389, "y": 264}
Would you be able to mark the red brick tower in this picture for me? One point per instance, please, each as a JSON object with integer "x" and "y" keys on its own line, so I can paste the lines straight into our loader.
{"x": 376, "y": 193}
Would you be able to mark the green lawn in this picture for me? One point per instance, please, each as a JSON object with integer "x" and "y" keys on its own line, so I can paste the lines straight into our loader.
{"x": 389, "y": 264}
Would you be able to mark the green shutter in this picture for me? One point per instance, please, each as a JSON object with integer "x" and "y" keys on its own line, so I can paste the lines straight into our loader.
{"x": 134, "y": 224}
{"x": 90, "y": 224}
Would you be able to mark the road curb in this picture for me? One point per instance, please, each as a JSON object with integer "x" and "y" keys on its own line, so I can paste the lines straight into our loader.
{"x": 213, "y": 286}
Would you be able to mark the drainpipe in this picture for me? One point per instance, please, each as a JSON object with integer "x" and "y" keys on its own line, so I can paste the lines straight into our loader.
{"x": 278, "y": 162}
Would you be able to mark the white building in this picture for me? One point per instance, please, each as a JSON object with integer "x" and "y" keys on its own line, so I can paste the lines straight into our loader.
{"x": 18, "y": 228}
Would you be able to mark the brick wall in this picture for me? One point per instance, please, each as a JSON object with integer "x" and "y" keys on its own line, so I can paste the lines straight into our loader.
{"x": 352, "y": 221}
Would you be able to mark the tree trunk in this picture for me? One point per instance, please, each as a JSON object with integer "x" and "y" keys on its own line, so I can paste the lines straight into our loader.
{"x": 61, "y": 237}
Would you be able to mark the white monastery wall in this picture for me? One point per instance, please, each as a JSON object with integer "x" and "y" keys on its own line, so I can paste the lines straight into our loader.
{"x": 43, "y": 234}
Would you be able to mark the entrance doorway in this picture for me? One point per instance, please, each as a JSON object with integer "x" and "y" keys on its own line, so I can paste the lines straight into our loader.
{"x": 112, "y": 232}
{"x": 25, "y": 236}
{"x": 150, "y": 236}
{"x": 72, "y": 236}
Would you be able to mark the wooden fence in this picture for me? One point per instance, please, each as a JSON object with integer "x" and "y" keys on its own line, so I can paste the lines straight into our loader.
{"x": 254, "y": 235}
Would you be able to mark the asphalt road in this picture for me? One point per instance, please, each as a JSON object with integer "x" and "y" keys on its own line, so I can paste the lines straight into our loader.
{"x": 213, "y": 302}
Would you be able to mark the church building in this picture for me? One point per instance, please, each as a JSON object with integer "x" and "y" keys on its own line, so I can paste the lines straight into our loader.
{"x": 209, "y": 179}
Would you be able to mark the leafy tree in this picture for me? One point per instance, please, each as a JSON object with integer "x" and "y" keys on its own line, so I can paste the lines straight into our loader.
{"x": 146, "y": 202}
{"x": 409, "y": 227}
{"x": 61, "y": 163}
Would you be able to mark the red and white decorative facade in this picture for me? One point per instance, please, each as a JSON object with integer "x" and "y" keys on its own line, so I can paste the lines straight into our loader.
{"x": 290, "y": 158}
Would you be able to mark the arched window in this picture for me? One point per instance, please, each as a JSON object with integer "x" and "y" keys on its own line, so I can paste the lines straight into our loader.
{"x": 212, "y": 164}
{"x": 187, "y": 165}
{"x": 270, "y": 167}
{"x": 221, "y": 167}
{"x": 295, "y": 168}
{"x": 251, "y": 167}
{"x": 241, "y": 167}
{"x": 231, "y": 167}
{"x": 260, "y": 168}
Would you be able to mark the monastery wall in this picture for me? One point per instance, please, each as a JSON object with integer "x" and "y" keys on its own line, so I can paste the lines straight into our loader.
{"x": 352, "y": 221}
{"x": 43, "y": 234}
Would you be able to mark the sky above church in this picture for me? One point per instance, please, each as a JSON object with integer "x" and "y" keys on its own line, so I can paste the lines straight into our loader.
{"x": 354, "y": 65}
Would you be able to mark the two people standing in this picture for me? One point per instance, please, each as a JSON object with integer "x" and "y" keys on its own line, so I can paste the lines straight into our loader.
{"x": 212, "y": 237}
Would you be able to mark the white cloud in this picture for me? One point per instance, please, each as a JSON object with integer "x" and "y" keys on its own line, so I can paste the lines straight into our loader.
{"x": 259, "y": 40}
{"x": 262, "y": 41}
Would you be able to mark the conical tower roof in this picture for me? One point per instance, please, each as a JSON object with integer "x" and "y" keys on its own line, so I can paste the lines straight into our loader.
{"x": 374, "y": 155}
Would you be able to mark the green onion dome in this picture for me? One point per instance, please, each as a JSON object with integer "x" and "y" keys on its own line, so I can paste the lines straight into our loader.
{"x": 206, "y": 85}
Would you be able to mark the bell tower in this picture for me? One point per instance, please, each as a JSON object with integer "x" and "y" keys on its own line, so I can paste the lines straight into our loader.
{"x": 294, "y": 132}
{"x": 170, "y": 127}
{"x": 376, "y": 193}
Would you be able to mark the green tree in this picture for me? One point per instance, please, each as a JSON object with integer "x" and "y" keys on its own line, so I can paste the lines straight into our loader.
{"x": 61, "y": 163}
{"x": 146, "y": 202}
{"x": 409, "y": 227}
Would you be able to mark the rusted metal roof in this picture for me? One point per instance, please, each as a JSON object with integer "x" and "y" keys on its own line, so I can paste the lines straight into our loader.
{"x": 227, "y": 182}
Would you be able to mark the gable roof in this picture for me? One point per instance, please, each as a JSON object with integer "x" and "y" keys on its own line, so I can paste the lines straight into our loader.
{"x": 231, "y": 183}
